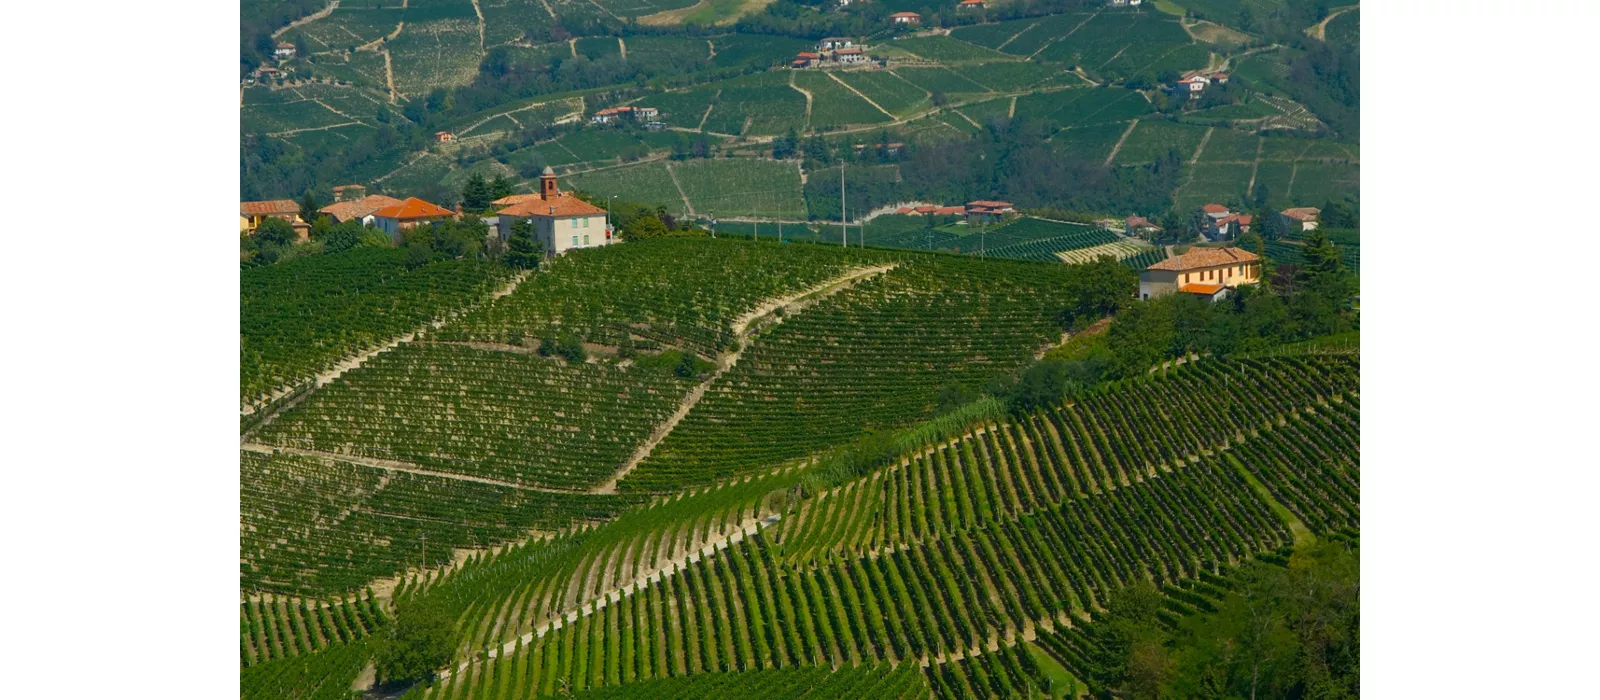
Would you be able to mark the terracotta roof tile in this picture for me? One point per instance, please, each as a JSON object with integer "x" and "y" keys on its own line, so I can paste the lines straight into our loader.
{"x": 1302, "y": 213}
{"x": 1203, "y": 289}
{"x": 1200, "y": 258}
{"x": 413, "y": 208}
{"x": 1214, "y": 209}
{"x": 275, "y": 206}
{"x": 562, "y": 204}
{"x": 359, "y": 208}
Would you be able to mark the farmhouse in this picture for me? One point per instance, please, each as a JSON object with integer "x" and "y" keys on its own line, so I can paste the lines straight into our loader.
{"x": 907, "y": 18}
{"x": 251, "y": 214}
{"x": 970, "y": 5}
{"x": 560, "y": 220}
{"x": 267, "y": 73}
{"x": 835, "y": 42}
{"x": 1124, "y": 3}
{"x": 444, "y": 136}
{"x": 850, "y": 56}
{"x": 985, "y": 210}
{"x": 614, "y": 114}
{"x": 408, "y": 214}
{"x": 344, "y": 192}
{"x": 363, "y": 210}
{"x": 284, "y": 50}
{"x": 1140, "y": 226}
{"x": 1300, "y": 218}
{"x": 1208, "y": 272}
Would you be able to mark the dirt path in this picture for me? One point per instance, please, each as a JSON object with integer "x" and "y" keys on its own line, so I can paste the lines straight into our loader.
{"x": 478, "y": 11}
{"x": 1002, "y": 45}
{"x": 622, "y": 46}
{"x": 312, "y": 128}
{"x": 572, "y": 44}
{"x": 393, "y": 466}
{"x": 858, "y": 93}
{"x": 547, "y": 9}
{"x": 1318, "y": 31}
{"x": 1112, "y": 156}
{"x": 1255, "y": 165}
{"x": 1074, "y": 30}
{"x": 1202, "y": 147}
{"x": 614, "y": 596}
{"x": 712, "y": 49}
{"x": 702, "y": 125}
{"x": 388, "y": 74}
{"x": 806, "y": 125}
{"x": 688, "y": 208}
{"x": 308, "y": 19}
{"x": 727, "y": 360}
{"x": 1011, "y": 110}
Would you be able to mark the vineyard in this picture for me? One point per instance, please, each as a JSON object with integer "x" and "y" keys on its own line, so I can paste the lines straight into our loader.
{"x": 1057, "y": 514}
{"x": 300, "y": 317}
{"x": 693, "y": 302}
{"x": 513, "y": 417}
{"x": 861, "y": 362}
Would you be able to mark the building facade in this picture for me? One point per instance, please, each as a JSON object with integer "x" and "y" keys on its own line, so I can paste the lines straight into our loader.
{"x": 561, "y": 221}
{"x": 1208, "y": 272}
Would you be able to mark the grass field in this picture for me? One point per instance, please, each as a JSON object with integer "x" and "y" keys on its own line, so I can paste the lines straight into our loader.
{"x": 1152, "y": 139}
{"x": 1230, "y": 145}
{"x": 1071, "y": 108}
{"x": 1091, "y": 143}
{"x": 946, "y": 49}
{"x": 742, "y": 187}
{"x": 833, "y": 105}
{"x": 942, "y": 80}
{"x": 890, "y": 92}
{"x": 647, "y": 183}
{"x": 1213, "y": 183}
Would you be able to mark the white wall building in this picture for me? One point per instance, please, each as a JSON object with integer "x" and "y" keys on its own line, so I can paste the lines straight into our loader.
{"x": 561, "y": 221}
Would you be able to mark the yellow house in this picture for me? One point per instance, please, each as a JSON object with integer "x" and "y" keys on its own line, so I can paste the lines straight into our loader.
{"x": 1207, "y": 272}
{"x": 251, "y": 214}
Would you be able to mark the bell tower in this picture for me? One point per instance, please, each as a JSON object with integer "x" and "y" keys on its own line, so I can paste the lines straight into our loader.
{"x": 547, "y": 184}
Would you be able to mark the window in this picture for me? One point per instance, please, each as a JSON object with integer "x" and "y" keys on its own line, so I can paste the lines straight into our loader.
{"x": 586, "y": 223}
{"x": 574, "y": 241}
{"x": 586, "y": 239}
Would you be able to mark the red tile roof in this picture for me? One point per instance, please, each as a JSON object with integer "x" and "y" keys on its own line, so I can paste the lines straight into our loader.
{"x": 412, "y": 208}
{"x": 971, "y": 2}
{"x": 904, "y": 210}
{"x": 1214, "y": 209}
{"x": 1201, "y": 289}
{"x": 275, "y": 206}
{"x": 1303, "y": 213}
{"x": 1138, "y": 221}
{"x": 1201, "y": 258}
{"x": 847, "y": 51}
{"x": 990, "y": 203}
{"x": 905, "y": 14}
{"x": 359, "y": 208}
{"x": 562, "y": 204}
{"x": 807, "y": 55}
{"x": 949, "y": 211}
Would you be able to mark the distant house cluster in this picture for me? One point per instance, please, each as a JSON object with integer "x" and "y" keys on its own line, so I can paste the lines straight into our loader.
{"x": 1193, "y": 83}
{"x": 1204, "y": 272}
{"x": 971, "y": 5}
{"x": 832, "y": 52}
{"x": 979, "y": 211}
{"x": 890, "y": 149}
{"x": 905, "y": 19}
{"x": 612, "y": 115}
{"x": 1140, "y": 226}
{"x": 560, "y": 220}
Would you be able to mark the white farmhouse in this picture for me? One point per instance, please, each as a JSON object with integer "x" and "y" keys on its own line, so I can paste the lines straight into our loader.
{"x": 561, "y": 221}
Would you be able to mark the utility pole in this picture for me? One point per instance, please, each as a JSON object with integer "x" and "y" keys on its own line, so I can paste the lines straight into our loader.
{"x": 844, "y": 234}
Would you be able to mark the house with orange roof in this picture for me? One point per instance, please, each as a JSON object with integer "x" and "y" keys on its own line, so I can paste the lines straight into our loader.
{"x": 444, "y": 136}
{"x": 408, "y": 214}
{"x": 1301, "y": 218}
{"x": 251, "y": 214}
{"x": 561, "y": 221}
{"x": 1207, "y": 272}
{"x": 1140, "y": 226}
{"x": 906, "y": 18}
{"x": 985, "y": 210}
{"x": 363, "y": 209}
{"x": 970, "y": 5}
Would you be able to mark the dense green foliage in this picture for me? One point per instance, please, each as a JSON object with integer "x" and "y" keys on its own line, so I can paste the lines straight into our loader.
{"x": 421, "y": 639}
{"x": 274, "y": 627}
{"x": 299, "y": 317}
{"x": 326, "y": 675}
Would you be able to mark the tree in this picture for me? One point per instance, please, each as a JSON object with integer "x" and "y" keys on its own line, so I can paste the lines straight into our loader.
{"x": 1097, "y": 289}
{"x": 476, "y": 196}
{"x": 418, "y": 254}
{"x": 522, "y": 251}
{"x": 421, "y": 640}
{"x": 274, "y": 231}
{"x": 302, "y": 48}
{"x": 309, "y": 207}
{"x": 688, "y": 367}
{"x": 644, "y": 227}
{"x": 343, "y": 237}
{"x": 500, "y": 188}
{"x": 1259, "y": 195}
